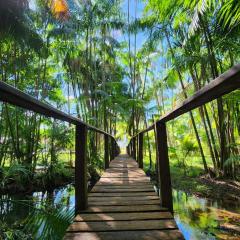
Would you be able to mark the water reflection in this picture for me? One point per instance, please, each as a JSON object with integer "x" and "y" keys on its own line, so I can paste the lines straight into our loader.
{"x": 199, "y": 218}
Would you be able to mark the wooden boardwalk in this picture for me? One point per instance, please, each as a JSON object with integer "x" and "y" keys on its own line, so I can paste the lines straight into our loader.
{"x": 123, "y": 206}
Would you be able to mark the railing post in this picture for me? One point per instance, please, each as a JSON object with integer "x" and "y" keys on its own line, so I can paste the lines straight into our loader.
{"x": 112, "y": 149}
{"x": 81, "y": 187}
{"x": 140, "y": 150}
{"x": 137, "y": 156}
{"x": 164, "y": 176}
{"x": 106, "y": 152}
{"x": 134, "y": 148}
{"x": 130, "y": 148}
{"x": 115, "y": 148}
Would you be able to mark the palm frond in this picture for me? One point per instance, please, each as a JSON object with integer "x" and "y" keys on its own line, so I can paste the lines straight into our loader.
{"x": 51, "y": 224}
{"x": 229, "y": 13}
{"x": 15, "y": 23}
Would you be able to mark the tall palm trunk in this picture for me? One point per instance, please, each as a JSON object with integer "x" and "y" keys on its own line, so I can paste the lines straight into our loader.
{"x": 190, "y": 113}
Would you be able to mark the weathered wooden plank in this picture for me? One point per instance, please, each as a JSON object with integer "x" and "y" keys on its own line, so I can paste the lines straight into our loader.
{"x": 113, "y": 190}
{"x": 133, "y": 199}
{"x": 124, "y": 186}
{"x": 119, "y": 176}
{"x": 122, "y": 216}
{"x": 122, "y": 225}
{"x": 123, "y": 181}
{"x": 137, "y": 208}
{"x": 124, "y": 174}
{"x": 127, "y": 194}
{"x": 123, "y": 202}
{"x": 131, "y": 235}
{"x": 126, "y": 170}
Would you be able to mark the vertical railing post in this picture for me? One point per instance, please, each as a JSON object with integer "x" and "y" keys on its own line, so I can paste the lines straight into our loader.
{"x": 81, "y": 186}
{"x": 134, "y": 148}
{"x": 106, "y": 152}
{"x": 164, "y": 176}
{"x": 137, "y": 148}
{"x": 130, "y": 147}
{"x": 112, "y": 149}
{"x": 115, "y": 148}
{"x": 140, "y": 150}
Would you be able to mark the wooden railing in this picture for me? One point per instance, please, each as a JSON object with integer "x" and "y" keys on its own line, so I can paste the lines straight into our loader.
{"x": 16, "y": 97}
{"x": 222, "y": 85}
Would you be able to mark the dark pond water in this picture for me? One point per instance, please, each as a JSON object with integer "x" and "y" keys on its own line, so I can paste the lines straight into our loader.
{"x": 197, "y": 218}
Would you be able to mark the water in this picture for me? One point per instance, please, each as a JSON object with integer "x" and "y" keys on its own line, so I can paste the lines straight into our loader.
{"x": 196, "y": 217}
{"x": 200, "y": 218}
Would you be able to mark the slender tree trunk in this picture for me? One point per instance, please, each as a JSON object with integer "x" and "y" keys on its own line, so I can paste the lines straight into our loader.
{"x": 190, "y": 113}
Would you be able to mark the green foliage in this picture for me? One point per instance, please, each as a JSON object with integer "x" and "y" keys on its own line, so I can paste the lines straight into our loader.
{"x": 16, "y": 173}
{"x": 232, "y": 160}
{"x": 54, "y": 174}
{"x": 49, "y": 223}
{"x": 188, "y": 146}
{"x": 15, "y": 232}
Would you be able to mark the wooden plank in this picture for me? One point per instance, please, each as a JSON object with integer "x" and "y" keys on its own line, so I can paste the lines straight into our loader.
{"x": 122, "y": 181}
{"x": 122, "y": 225}
{"x": 130, "y": 176}
{"x": 113, "y": 190}
{"x": 137, "y": 208}
{"x": 127, "y": 194}
{"x": 131, "y": 235}
{"x": 149, "y": 186}
{"x": 123, "y": 203}
{"x": 133, "y": 199}
{"x": 126, "y": 170}
{"x": 122, "y": 216}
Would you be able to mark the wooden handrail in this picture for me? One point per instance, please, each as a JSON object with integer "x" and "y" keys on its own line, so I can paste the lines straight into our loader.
{"x": 224, "y": 84}
{"x": 18, "y": 98}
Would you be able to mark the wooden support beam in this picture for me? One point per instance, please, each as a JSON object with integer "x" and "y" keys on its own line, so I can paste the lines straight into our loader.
{"x": 115, "y": 148}
{"x": 130, "y": 147}
{"x": 164, "y": 176}
{"x": 106, "y": 152}
{"x": 112, "y": 149}
{"x": 134, "y": 148}
{"x": 140, "y": 150}
{"x": 81, "y": 186}
{"x": 137, "y": 156}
